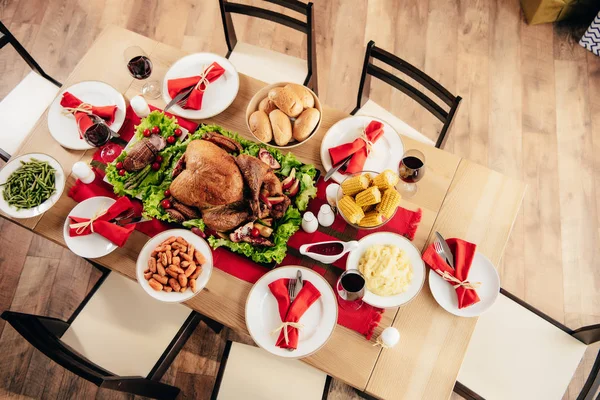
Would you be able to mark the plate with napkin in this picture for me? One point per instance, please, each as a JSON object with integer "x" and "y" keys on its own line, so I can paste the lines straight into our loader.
{"x": 89, "y": 230}
{"x": 372, "y": 144}
{"x": 214, "y": 82}
{"x": 72, "y": 106}
{"x": 291, "y": 329}
{"x": 471, "y": 287}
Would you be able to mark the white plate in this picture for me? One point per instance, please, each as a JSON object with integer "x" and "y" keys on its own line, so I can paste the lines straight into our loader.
{"x": 173, "y": 297}
{"x": 482, "y": 270}
{"x": 92, "y": 245}
{"x": 415, "y": 259}
{"x": 262, "y": 314}
{"x": 218, "y": 95}
{"x": 59, "y": 182}
{"x": 63, "y": 128}
{"x": 387, "y": 151}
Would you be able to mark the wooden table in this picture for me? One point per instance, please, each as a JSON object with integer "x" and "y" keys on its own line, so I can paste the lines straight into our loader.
{"x": 458, "y": 197}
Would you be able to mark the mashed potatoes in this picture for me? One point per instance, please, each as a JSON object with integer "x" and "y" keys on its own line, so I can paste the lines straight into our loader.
{"x": 387, "y": 269}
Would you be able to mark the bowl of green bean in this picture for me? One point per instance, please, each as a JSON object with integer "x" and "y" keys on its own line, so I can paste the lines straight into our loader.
{"x": 30, "y": 184}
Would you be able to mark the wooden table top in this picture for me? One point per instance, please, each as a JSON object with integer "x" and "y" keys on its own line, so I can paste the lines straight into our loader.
{"x": 459, "y": 198}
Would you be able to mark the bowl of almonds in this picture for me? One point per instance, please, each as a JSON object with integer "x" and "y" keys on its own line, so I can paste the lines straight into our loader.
{"x": 174, "y": 265}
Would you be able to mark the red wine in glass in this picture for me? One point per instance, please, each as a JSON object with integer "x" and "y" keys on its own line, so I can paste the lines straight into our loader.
{"x": 140, "y": 67}
{"x": 411, "y": 170}
{"x": 98, "y": 133}
{"x": 351, "y": 289}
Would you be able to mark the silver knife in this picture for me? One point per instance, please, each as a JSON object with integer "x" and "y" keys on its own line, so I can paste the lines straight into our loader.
{"x": 299, "y": 283}
{"x": 446, "y": 248}
{"x": 335, "y": 169}
{"x": 181, "y": 96}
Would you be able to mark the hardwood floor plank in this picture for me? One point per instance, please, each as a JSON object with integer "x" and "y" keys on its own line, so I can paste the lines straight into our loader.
{"x": 41, "y": 247}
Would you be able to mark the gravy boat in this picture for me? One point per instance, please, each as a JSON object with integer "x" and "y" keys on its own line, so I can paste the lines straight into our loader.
{"x": 328, "y": 259}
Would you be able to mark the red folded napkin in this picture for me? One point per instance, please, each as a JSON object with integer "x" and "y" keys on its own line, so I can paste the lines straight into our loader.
{"x": 209, "y": 75}
{"x": 292, "y": 313}
{"x": 100, "y": 225}
{"x": 358, "y": 149}
{"x": 78, "y": 108}
{"x": 463, "y": 257}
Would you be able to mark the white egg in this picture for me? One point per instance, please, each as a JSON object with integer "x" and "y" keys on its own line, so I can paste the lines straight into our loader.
{"x": 390, "y": 336}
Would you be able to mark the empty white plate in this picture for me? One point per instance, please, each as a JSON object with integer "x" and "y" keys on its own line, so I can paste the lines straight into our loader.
{"x": 174, "y": 297}
{"x": 92, "y": 245}
{"x": 482, "y": 270}
{"x": 218, "y": 95}
{"x": 387, "y": 151}
{"x": 63, "y": 128}
{"x": 262, "y": 314}
{"x": 13, "y": 164}
{"x": 413, "y": 254}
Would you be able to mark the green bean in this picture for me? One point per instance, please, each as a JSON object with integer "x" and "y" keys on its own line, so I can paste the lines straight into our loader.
{"x": 29, "y": 185}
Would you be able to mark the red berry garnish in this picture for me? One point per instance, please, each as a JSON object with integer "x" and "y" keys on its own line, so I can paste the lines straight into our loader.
{"x": 158, "y": 159}
{"x": 177, "y": 132}
{"x": 119, "y": 165}
{"x": 166, "y": 204}
{"x": 155, "y": 166}
{"x": 167, "y": 193}
{"x": 255, "y": 232}
{"x": 121, "y": 172}
{"x": 171, "y": 139}
{"x": 146, "y": 132}
{"x": 155, "y": 129}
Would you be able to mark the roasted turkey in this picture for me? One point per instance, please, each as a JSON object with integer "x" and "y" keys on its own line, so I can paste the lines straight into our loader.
{"x": 225, "y": 189}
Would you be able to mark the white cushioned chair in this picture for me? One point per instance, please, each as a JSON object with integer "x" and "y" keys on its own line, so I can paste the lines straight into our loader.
{"x": 119, "y": 338}
{"x": 366, "y": 106}
{"x": 517, "y": 352}
{"x": 251, "y": 373}
{"x": 267, "y": 65}
{"x": 24, "y": 105}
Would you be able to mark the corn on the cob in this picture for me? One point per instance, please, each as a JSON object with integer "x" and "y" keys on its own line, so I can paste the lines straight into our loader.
{"x": 385, "y": 180}
{"x": 369, "y": 196}
{"x": 372, "y": 218}
{"x": 351, "y": 211}
{"x": 389, "y": 202}
{"x": 356, "y": 184}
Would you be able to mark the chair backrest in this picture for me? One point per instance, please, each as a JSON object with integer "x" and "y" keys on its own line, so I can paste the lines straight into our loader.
{"x": 308, "y": 28}
{"x": 42, "y": 333}
{"x": 370, "y": 69}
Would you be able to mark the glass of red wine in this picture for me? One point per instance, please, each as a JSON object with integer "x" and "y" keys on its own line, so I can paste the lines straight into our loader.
{"x": 140, "y": 67}
{"x": 98, "y": 134}
{"x": 351, "y": 289}
{"x": 411, "y": 171}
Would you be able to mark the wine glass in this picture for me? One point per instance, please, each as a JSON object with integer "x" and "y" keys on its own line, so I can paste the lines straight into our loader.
{"x": 140, "y": 67}
{"x": 411, "y": 170}
{"x": 351, "y": 289}
{"x": 98, "y": 134}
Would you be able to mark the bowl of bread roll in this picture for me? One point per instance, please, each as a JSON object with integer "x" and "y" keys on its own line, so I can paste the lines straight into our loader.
{"x": 284, "y": 115}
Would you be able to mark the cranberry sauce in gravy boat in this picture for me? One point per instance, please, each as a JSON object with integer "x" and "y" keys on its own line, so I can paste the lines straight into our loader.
{"x": 328, "y": 252}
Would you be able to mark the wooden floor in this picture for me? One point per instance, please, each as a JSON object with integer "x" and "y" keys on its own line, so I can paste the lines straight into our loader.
{"x": 531, "y": 110}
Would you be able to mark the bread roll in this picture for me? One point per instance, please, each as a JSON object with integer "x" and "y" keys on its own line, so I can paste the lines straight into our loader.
{"x": 286, "y": 100}
{"x": 260, "y": 126}
{"x": 308, "y": 101}
{"x": 267, "y": 106}
{"x": 305, "y": 123}
{"x": 282, "y": 127}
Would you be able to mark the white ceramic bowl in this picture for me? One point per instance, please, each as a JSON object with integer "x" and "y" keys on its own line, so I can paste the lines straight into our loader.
{"x": 173, "y": 297}
{"x": 260, "y": 95}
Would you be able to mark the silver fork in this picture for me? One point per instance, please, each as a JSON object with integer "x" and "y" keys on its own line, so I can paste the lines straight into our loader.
{"x": 438, "y": 249}
{"x": 291, "y": 289}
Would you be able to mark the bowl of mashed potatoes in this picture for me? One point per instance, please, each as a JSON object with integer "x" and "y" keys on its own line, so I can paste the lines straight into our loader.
{"x": 392, "y": 267}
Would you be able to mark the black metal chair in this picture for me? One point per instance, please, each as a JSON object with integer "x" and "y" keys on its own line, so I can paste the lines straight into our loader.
{"x": 118, "y": 338}
{"x": 266, "y": 65}
{"x": 244, "y": 370}
{"x": 366, "y": 106}
{"x": 518, "y": 352}
{"x": 25, "y": 104}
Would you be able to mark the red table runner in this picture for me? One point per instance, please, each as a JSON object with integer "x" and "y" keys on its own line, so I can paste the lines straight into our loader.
{"x": 364, "y": 321}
